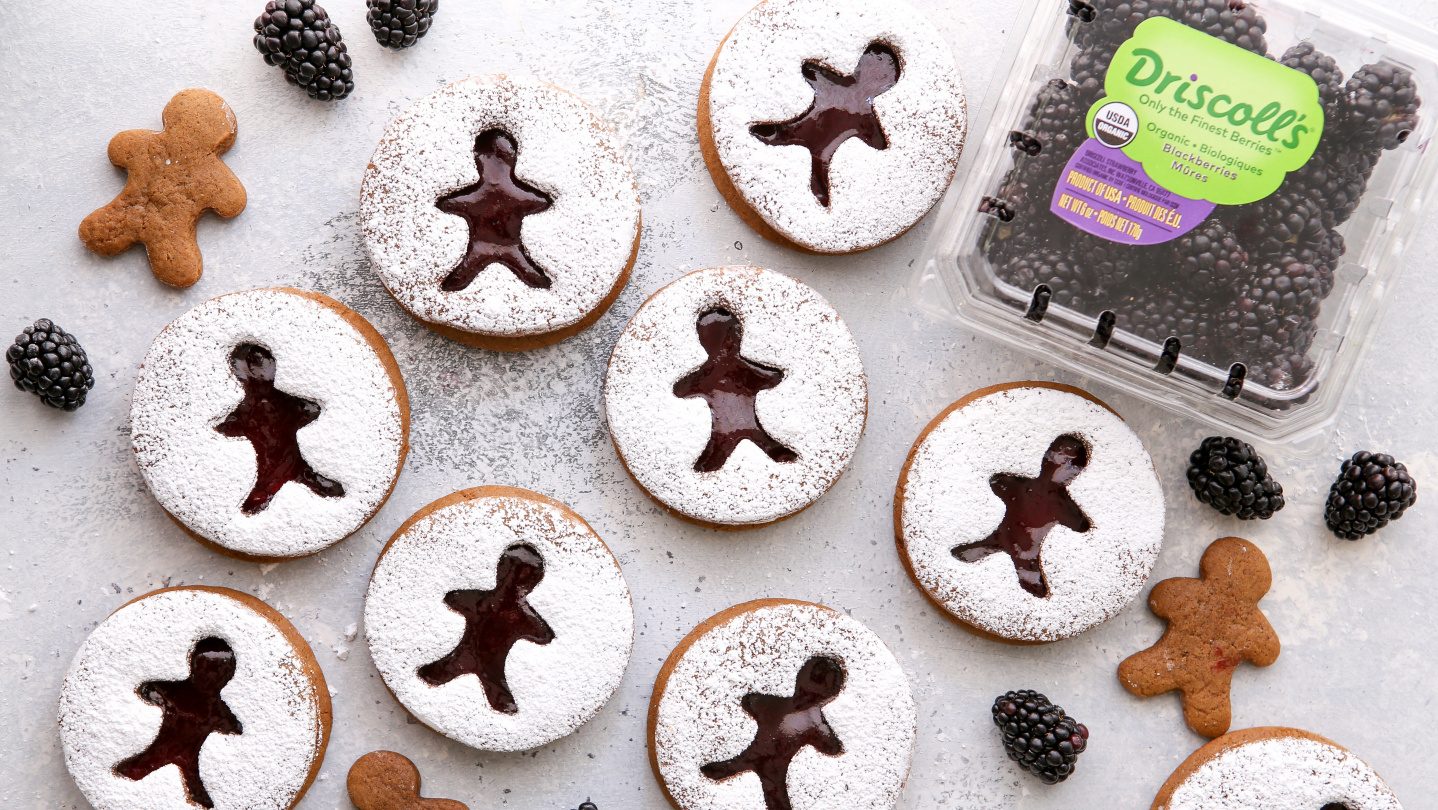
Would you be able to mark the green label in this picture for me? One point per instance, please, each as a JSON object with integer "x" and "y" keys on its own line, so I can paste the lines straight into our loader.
{"x": 1207, "y": 120}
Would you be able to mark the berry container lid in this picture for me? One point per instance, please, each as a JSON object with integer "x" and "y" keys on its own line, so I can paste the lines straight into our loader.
{"x": 1199, "y": 202}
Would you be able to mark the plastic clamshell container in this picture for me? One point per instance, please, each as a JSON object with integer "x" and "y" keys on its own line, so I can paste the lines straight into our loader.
{"x": 960, "y": 278}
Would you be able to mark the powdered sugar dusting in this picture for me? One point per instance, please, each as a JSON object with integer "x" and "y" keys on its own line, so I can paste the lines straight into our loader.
{"x": 1282, "y": 773}
{"x": 876, "y": 194}
{"x": 186, "y": 387}
{"x": 700, "y": 718}
{"x": 103, "y": 720}
{"x": 558, "y": 686}
{"x": 818, "y": 409}
{"x": 948, "y": 502}
{"x": 583, "y": 241}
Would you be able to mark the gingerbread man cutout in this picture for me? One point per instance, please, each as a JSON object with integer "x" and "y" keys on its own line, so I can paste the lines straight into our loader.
{"x": 175, "y": 175}
{"x": 1214, "y": 624}
{"x": 384, "y": 780}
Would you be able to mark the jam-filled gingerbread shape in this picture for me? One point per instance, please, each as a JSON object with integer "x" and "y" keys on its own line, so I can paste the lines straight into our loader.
{"x": 194, "y": 696}
{"x": 736, "y": 397}
{"x": 498, "y": 618}
{"x": 501, "y": 212}
{"x": 777, "y": 704}
{"x": 1274, "y": 769}
{"x": 175, "y": 176}
{"x": 270, "y": 423}
{"x": 1029, "y": 512}
{"x": 1214, "y": 625}
{"x": 832, "y": 125}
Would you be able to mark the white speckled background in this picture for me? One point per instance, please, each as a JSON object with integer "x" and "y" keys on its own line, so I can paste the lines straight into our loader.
{"x": 82, "y": 535}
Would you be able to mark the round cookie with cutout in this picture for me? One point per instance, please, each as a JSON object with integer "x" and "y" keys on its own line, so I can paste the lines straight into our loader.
{"x": 194, "y": 696}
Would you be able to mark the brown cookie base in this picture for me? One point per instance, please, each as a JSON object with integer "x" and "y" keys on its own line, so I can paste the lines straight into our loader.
{"x": 302, "y": 649}
{"x": 498, "y": 343}
{"x": 1229, "y": 741}
{"x": 901, "y": 543}
{"x": 396, "y": 379}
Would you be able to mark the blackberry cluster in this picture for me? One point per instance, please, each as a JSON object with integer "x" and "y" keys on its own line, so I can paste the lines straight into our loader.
{"x": 1248, "y": 285}
{"x": 49, "y": 362}
{"x": 1372, "y": 491}
{"x": 297, "y": 35}
{"x": 1039, "y": 735}
{"x": 1230, "y": 476}
{"x": 400, "y": 23}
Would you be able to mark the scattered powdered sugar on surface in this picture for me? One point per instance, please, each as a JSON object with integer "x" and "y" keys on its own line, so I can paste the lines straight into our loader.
{"x": 103, "y": 720}
{"x": 948, "y": 501}
{"x": 701, "y": 720}
{"x": 875, "y": 194}
{"x": 558, "y": 686}
{"x": 818, "y": 410}
{"x": 583, "y": 241}
{"x": 186, "y": 387}
{"x": 1282, "y": 773}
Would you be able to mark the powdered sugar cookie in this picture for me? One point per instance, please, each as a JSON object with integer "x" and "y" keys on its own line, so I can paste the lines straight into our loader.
{"x": 194, "y": 696}
{"x": 270, "y": 423}
{"x": 832, "y": 125}
{"x": 498, "y": 617}
{"x": 1275, "y": 769}
{"x": 1029, "y": 512}
{"x": 736, "y": 396}
{"x": 501, "y": 212}
{"x": 779, "y": 703}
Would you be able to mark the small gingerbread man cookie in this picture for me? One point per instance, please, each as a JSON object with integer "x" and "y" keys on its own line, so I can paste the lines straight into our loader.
{"x": 384, "y": 780}
{"x": 175, "y": 176}
{"x": 1214, "y": 624}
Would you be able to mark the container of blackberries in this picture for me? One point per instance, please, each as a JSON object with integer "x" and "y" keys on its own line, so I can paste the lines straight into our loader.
{"x": 1201, "y": 202}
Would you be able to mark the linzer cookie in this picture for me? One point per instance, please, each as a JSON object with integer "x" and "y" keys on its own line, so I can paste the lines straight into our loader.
{"x": 501, "y": 213}
{"x": 736, "y": 396}
{"x": 498, "y": 618}
{"x": 194, "y": 697}
{"x": 1214, "y": 626}
{"x": 832, "y": 125}
{"x": 270, "y": 423}
{"x": 1029, "y": 512}
{"x": 1274, "y": 769}
{"x": 777, "y": 704}
{"x": 174, "y": 177}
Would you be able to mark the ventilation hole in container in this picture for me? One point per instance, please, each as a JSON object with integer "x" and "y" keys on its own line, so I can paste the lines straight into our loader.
{"x": 1237, "y": 375}
{"x": 1039, "y": 304}
{"x": 1172, "y": 348}
{"x": 1083, "y": 10}
{"x": 993, "y": 206}
{"x": 1103, "y": 333}
{"x": 1026, "y": 142}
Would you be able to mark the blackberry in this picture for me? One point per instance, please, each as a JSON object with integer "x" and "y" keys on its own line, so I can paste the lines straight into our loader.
{"x": 1069, "y": 282}
{"x": 1114, "y": 21}
{"x": 49, "y": 362}
{"x": 1335, "y": 179}
{"x": 1383, "y": 105}
{"x": 1286, "y": 371}
{"x": 1324, "y": 71}
{"x": 1286, "y": 222}
{"x": 1230, "y": 476}
{"x": 1288, "y": 286}
{"x": 400, "y": 23}
{"x": 1089, "y": 68}
{"x": 1233, "y": 21}
{"x": 1038, "y": 735}
{"x": 1372, "y": 490}
{"x": 1161, "y": 313}
{"x": 1056, "y": 121}
{"x": 1211, "y": 258}
{"x": 298, "y": 36}
{"x": 588, "y": 805}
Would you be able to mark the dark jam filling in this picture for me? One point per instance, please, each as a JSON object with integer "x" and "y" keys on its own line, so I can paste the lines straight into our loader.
{"x": 730, "y": 384}
{"x": 786, "y": 726}
{"x": 495, "y": 208}
{"x": 494, "y": 621}
{"x": 1032, "y": 508}
{"x": 193, "y": 710}
{"x": 271, "y": 420}
{"x": 843, "y": 108}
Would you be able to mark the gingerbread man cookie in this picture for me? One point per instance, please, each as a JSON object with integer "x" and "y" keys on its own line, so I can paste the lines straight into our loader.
{"x": 1214, "y": 624}
{"x": 384, "y": 780}
{"x": 175, "y": 176}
